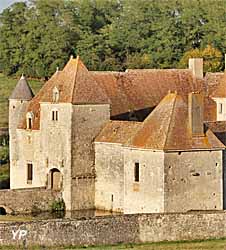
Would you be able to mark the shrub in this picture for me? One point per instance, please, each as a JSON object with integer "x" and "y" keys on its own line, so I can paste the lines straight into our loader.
{"x": 58, "y": 205}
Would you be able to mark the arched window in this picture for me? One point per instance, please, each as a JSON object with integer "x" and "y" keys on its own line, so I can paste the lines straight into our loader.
{"x": 29, "y": 118}
{"x": 56, "y": 94}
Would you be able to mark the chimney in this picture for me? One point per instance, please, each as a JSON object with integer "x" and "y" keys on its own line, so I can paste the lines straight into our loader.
{"x": 195, "y": 113}
{"x": 196, "y": 65}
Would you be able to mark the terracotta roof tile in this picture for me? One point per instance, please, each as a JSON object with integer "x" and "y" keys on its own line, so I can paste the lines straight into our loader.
{"x": 166, "y": 128}
{"x": 118, "y": 132}
{"x": 217, "y": 126}
{"x": 220, "y": 90}
{"x": 212, "y": 80}
{"x": 75, "y": 86}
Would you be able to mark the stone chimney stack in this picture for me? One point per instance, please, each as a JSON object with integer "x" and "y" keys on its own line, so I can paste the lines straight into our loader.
{"x": 195, "y": 113}
{"x": 196, "y": 65}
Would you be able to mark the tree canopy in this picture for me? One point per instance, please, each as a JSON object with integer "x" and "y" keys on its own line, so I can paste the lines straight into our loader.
{"x": 38, "y": 35}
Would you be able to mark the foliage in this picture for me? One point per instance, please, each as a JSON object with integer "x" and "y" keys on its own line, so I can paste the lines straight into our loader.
{"x": 58, "y": 205}
{"x": 212, "y": 58}
{"x": 4, "y": 172}
{"x": 39, "y": 35}
{"x": 4, "y": 155}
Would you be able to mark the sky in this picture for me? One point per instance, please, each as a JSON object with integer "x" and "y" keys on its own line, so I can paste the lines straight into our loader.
{"x": 6, "y": 3}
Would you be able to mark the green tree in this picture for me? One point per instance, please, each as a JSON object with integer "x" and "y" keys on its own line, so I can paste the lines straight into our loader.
{"x": 212, "y": 58}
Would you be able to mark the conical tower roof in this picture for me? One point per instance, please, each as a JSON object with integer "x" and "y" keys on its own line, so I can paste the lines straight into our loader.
{"x": 22, "y": 91}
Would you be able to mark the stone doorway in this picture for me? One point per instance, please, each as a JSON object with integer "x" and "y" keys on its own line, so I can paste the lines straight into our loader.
{"x": 55, "y": 179}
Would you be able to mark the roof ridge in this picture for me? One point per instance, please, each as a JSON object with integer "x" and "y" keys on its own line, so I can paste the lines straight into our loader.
{"x": 74, "y": 80}
{"x": 169, "y": 125}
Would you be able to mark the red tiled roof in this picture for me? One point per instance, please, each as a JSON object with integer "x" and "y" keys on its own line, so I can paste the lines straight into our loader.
{"x": 166, "y": 128}
{"x": 220, "y": 90}
{"x": 75, "y": 84}
{"x": 212, "y": 80}
{"x": 125, "y": 91}
{"x": 143, "y": 88}
{"x": 118, "y": 131}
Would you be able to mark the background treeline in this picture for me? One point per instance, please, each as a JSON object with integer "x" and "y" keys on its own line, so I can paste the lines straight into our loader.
{"x": 39, "y": 35}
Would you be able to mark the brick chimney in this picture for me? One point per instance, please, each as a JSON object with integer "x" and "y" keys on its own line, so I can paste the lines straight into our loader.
{"x": 195, "y": 113}
{"x": 196, "y": 65}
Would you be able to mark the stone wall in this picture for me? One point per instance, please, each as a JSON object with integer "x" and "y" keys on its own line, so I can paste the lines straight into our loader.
{"x": 27, "y": 200}
{"x": 147, "y": 195}
{"x": 109, "y": 185}
{"x": 138, "y": 228}
{"x": 87, "y": 122}
{"x": 193, "y": 181}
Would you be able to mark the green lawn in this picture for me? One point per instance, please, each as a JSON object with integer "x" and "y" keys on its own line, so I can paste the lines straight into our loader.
{"x": 7, "y": 85}
{"x": 194, "y": 245}
{"x": 4, "y": 172}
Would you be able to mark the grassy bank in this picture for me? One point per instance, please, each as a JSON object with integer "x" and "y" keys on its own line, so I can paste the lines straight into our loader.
{"x": 4, "y": 172}
{"x": 193, "y": 245}
{"x": 7, "y": 85}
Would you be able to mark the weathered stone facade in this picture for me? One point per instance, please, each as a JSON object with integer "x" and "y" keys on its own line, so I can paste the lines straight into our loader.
{"x": 140, "y": 228}
{"x": 63, "y": 139}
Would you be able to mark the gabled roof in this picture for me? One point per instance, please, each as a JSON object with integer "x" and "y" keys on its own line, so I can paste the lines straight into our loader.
{"x": 143, "y": 88}
{"x": 22, "y": 91}
{"x": 166, "y": 128}
{"x": 75, "y": 84}
{"x": 220, "y": 90}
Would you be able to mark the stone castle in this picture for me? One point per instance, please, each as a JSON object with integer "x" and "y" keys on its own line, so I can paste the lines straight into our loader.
{"x": 140, "y": 141}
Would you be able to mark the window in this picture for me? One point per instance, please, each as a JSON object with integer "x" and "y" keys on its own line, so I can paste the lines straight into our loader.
{"x": 220, "y": 108}
{"x": 137, "y": 172}
{"x": 29, "y": 173}
{"x": 54, "y": 115}
{"x": 29, "y": 117}
{"x": 29, "y": 123}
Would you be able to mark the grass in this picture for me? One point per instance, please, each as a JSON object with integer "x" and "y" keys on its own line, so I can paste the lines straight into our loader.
{"x": 4, "y": 172}
{"x": 192, "y": 245}
{"x": 13, "y": 218}
{"x": 7, "y": 84}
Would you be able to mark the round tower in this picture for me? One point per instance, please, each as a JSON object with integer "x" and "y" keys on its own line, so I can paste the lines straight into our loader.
{"x": 18, "y": 101}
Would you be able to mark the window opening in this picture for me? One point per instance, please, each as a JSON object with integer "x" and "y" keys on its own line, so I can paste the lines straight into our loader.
{"x": 29, "y": 172}
{"x": 220, "y": 108}
{"x": 137, "y": 172}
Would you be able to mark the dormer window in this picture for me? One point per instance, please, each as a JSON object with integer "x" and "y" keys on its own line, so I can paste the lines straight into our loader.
{"x": 55, "y": 115}
{"x": 29, "y": 118}
{"x": 56, "y": 94}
